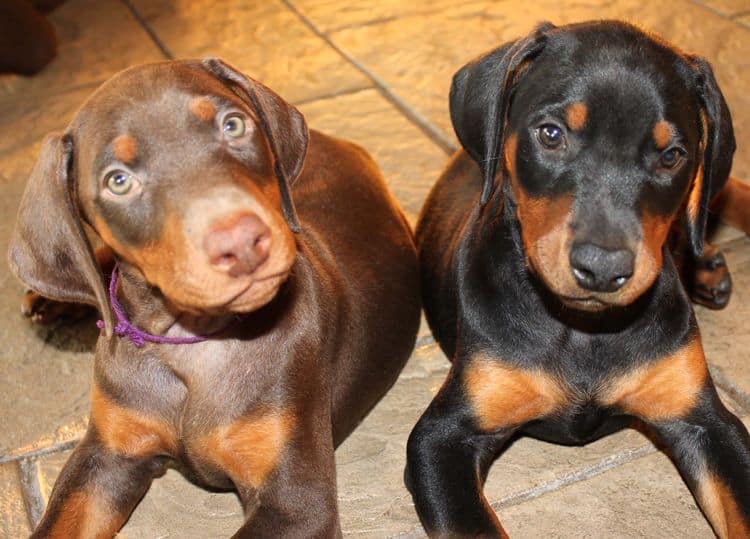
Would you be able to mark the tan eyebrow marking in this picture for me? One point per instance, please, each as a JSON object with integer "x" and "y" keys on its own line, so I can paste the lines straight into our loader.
{"x": 662, "y": 134}
{"x": 203, "y": 109}
{"x": 124, "y": 148}
{"x": 576, "y": 115}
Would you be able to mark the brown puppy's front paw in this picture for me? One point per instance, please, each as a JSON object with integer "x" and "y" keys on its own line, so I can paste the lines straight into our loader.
{"x": 712, "y": 283}
{"x": 45, "y": 311}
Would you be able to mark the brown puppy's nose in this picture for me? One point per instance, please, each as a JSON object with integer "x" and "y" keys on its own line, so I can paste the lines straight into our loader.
{"x": 240, "y": 246}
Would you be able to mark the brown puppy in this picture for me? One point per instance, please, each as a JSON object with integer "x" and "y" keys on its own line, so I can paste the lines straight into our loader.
{"x": 186, "y": 171}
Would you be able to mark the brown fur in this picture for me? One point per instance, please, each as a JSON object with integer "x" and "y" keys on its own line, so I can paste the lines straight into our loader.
{"x": 203, "y": 109}
{"x": 125, "y": 149}
{"x": 721, "y": 508}
{"x": 662, "y": 134}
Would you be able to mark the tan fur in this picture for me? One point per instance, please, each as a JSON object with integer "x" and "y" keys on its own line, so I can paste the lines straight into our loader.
{"x": 129, "y": 432}
{"x": 576, "y": 115}
{"x": 662, "y": 390}
{"x": 250, "y": 448}
{"x": 86, "y": 516}
{"x": 504, "y": 396}
{"x": 721, "y": 508}
{"x": 125, "y": 149}
{"x": 662, "y": 134}
{"x": 202, "y": 108}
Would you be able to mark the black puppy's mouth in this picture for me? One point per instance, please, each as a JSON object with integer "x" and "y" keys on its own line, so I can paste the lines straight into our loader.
{"x": 589, "y": 303}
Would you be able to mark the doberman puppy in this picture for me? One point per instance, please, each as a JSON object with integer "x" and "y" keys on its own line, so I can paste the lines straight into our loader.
{"x": 546, "y": 275}
{"x": 296, "y": 316}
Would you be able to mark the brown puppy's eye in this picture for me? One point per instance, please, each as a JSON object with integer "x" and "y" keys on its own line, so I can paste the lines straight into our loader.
{"x": 119, "y": 182}
{"x": 671, "y": 158}
{"x": 234, "y": 126}
{"x": 551, "y": 136}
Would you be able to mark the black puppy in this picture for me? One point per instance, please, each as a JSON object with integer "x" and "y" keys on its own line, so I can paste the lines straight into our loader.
{"x": 547, "y": 278}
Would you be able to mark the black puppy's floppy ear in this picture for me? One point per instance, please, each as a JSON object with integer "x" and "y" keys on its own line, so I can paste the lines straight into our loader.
{"x": 283, "y": 126}
{"x": 49, "y": 251}
{"x": 718, "y": 148}
{"x": 480, "y": 97}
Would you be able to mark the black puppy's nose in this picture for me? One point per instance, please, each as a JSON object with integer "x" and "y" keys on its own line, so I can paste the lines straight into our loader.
{"x": 601, "y": 270}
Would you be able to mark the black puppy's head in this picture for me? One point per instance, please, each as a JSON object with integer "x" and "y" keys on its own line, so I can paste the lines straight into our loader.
{"x": 604, "y": 134}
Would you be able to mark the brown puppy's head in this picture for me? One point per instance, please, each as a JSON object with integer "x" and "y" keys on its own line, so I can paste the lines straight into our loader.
{"x": 603, "y": 135}
{"x": 183, "y": 168}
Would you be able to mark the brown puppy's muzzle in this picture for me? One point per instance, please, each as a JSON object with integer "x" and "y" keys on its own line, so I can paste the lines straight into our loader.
{"x": 238, "y": 246}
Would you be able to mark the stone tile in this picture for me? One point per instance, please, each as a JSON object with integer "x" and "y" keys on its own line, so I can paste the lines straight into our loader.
{"x": 416, "y": 55}
{"x": 330, "y": 15}
{"x": 13, "y": 519}
{"x": 645, "y": 498}
{"x": 727, "y": 7}
{"x": 409, "y": 160}
{"x": 44, "y": 372}
{"x": 726, "y": 333}
{"x": 263, "y": 39}
{"x": 22, "y": 130}
{"x": 96, "y": 38}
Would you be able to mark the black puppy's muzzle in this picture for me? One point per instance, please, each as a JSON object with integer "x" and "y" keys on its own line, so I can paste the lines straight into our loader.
{"x": 601, "y": 270}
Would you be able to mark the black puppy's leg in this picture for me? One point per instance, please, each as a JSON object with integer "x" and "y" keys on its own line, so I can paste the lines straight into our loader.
{"x": 96, "y": 491}
{"x": 453, "y": 445}
{"x": 711, "y": 284}
{"x": 711, "y": 448}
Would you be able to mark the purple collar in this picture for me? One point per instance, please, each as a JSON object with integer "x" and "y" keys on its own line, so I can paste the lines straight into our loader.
{"x": 124, "y": 328}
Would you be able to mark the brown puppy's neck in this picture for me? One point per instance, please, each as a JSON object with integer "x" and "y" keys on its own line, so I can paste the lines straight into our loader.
{"x": 147, "y": 309}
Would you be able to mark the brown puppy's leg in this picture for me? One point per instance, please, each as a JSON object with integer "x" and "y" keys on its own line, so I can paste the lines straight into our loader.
{"x": 96, "y": 492}
{"x": 283, "y": 470}
{"x": 47, "y": 311}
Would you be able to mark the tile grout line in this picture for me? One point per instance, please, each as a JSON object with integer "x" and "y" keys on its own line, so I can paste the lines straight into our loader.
{"x": 28, "y": 471}
{"x": 48, "y": 450}
{"x": 604, "y": 465}
{"x": 731, "y": 17}
{"x": 147, "y": 28}
{"x": 332, "y": 95}
{"x": 424, "y": 125}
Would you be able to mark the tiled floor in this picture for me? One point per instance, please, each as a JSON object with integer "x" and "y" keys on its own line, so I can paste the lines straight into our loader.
{"x": 377, "y": 73}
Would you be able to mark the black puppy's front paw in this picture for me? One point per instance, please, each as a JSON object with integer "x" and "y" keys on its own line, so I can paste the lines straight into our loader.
{"x": 712, "y": 283}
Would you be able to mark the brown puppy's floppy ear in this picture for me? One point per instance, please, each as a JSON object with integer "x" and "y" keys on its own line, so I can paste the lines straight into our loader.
{"x": 49, "y": 250}
{"x": 480, "y": 97}
{"x": 718, "y": 148}
{"x": 282, "y": 124}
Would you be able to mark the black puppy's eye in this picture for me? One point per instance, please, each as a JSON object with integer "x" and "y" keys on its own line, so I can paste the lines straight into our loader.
{"x": 551, "y": 136}
{"x": 234, "y": 126}
{"x": 119, "y": 182}
{"x": 670, "y": 158}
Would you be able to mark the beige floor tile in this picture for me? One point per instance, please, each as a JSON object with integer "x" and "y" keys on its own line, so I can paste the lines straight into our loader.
{"x": 13, "y": 520}
{"x": 97, "y": 38}
{"x": 728, "y": 7}
{"x": 263, "y": 39}
{"x": 409, "y": 161}
{"x": 645, "y": 498}
{"x": 416, "y": 55}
